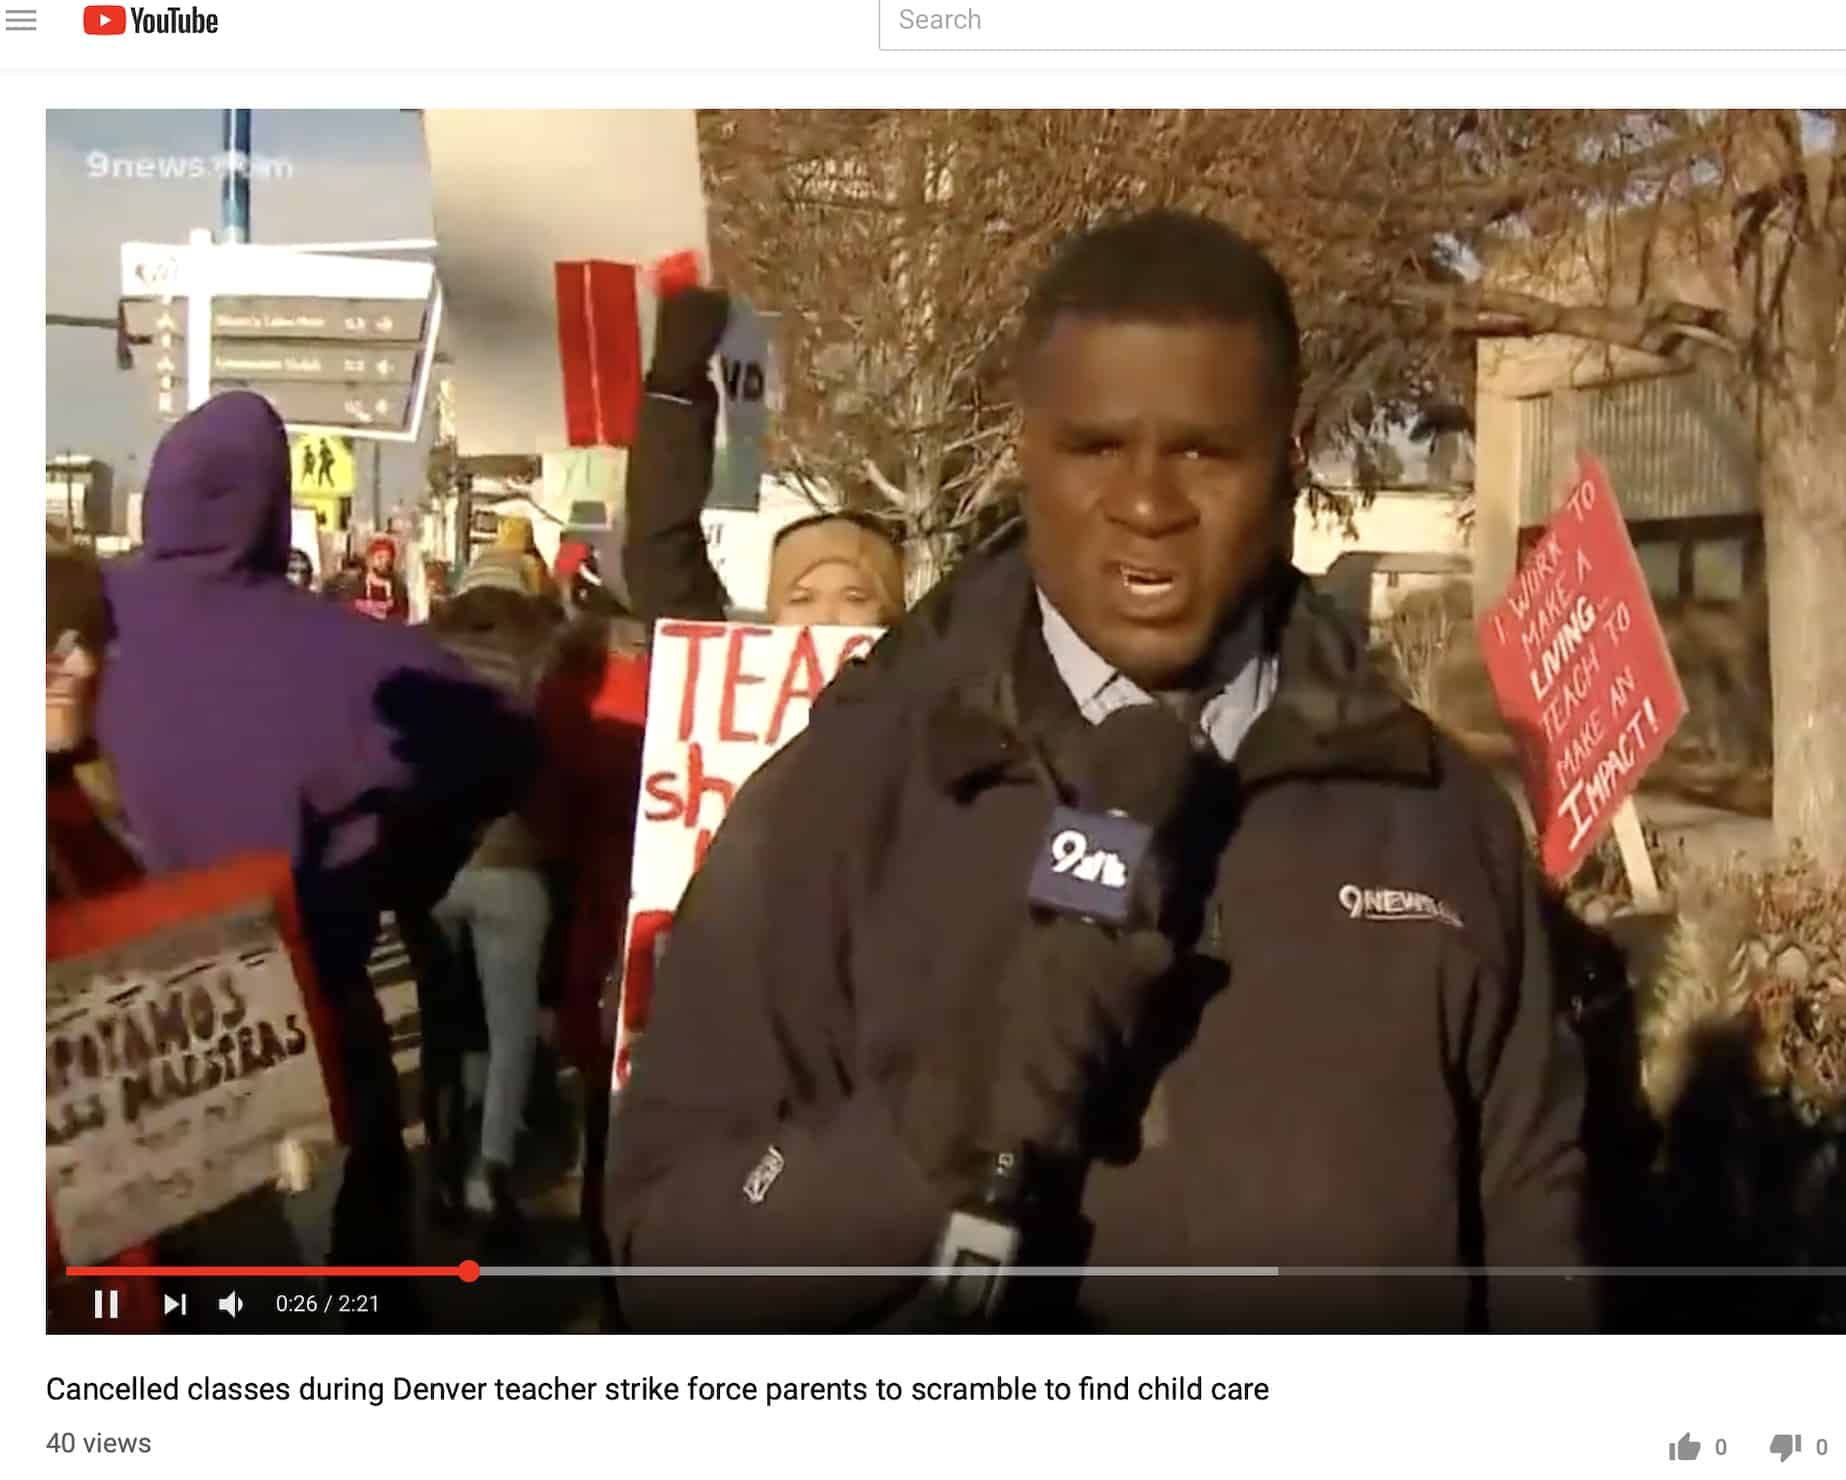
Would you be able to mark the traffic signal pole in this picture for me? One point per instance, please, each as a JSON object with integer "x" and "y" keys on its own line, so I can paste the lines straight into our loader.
{"x": 236, "y": 191}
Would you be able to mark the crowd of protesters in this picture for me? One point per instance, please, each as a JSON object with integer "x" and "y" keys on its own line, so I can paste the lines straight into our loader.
{"x": 476, "y": 776}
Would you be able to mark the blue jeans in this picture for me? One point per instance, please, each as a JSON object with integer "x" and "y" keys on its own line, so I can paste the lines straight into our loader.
{"x": 506, "y": 912}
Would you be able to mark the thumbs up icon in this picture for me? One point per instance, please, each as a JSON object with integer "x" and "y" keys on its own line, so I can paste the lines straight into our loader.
{"x": 1687, "y": 1447}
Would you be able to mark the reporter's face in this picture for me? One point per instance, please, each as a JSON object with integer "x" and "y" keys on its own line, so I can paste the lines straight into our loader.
{"x": 1154, "y": 457}
{"x": 833, "y": 594}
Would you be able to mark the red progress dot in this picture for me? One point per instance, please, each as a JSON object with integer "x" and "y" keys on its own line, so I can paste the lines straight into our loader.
{"x": 469, "y": 1271}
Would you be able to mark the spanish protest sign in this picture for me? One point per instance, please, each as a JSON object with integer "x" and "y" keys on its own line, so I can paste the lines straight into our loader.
{"x": 184, "y": 1040}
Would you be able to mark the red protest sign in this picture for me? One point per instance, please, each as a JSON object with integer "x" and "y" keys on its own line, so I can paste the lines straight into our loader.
{"x": 599, "y": 348}
{"x": 1581, "y": 671}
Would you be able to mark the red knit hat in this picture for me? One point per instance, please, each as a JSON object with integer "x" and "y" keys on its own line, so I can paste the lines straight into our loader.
{"x": 571, "y": 556}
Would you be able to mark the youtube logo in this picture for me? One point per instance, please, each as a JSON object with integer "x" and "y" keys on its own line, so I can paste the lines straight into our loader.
{"x": 115, "y": 20}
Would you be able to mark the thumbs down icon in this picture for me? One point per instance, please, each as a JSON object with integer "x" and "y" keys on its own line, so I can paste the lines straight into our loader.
{"x": 1783, "y": 1445}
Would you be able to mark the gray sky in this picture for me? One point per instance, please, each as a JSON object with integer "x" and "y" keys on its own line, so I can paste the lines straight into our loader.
{"x": 351, "y": 175}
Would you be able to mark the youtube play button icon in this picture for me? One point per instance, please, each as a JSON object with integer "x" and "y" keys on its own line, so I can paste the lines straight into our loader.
{"x": 105, "y": 20}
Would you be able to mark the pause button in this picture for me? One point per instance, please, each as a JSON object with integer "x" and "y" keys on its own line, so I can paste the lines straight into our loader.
{"x": 114, "y": 1303}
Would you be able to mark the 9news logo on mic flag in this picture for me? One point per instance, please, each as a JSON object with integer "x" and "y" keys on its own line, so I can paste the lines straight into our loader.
{"x": 1087, "y": 863}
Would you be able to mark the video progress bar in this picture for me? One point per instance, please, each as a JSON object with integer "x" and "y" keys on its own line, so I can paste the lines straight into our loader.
{"x": 834, "y": 1271}
{"x": 1151, "y": 1272}
{"x": 468, "y": 1271}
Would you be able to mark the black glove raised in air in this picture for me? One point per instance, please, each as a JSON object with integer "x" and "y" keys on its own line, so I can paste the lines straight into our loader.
{"x": 687, "y": 329}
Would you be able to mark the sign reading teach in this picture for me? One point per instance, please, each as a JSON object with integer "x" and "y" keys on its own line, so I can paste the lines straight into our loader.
{"x": 722, "y": 698}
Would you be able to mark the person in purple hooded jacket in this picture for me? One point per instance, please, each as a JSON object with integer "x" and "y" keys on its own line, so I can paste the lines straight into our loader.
{"x": 244, "y": 715}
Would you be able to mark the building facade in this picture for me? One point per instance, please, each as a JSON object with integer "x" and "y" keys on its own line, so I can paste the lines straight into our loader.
{"x": 1681, "y": 459}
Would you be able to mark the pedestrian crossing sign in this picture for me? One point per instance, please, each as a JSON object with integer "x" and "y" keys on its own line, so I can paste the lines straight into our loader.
{"x": 321, "y": 465}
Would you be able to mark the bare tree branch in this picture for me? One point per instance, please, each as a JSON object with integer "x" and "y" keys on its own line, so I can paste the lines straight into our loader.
{"x": 898, "y": 244}
{"x": 892, "y": 494}
{"x": 1655, "y": 326}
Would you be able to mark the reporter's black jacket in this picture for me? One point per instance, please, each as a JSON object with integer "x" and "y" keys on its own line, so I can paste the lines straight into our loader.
{"x": 1379, "y": 1076}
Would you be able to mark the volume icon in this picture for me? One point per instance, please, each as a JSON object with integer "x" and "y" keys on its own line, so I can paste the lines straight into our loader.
{"x": 230, "y": 1304}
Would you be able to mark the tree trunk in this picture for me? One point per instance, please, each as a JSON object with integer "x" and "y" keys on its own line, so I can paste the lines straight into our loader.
{"x": 1804, "y": 535}
{"x": 926, "y": 561}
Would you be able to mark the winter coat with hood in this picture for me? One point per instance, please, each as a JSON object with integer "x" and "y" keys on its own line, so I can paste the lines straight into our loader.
{"x": 1370, "y": 1067}
{"x": 243, "y": 715}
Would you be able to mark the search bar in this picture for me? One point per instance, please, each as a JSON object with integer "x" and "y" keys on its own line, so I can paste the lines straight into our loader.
{"x": 1129, "y": 26}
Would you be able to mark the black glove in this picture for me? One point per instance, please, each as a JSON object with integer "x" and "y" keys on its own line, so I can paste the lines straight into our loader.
{"x": 1075, "y": 999}
{"x": 1073, "y": 1005}
{"x": 687, "y": 329}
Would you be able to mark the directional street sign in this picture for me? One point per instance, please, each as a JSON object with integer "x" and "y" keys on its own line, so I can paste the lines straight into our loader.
{"x": 147, "y": 317}
{"x": 232, "y": 270}
{"x": 336, "y": 343}
{"x": 358, "y": 370}
{"x": 308, "y": 359}
{"x": 306, "y": 402}
{"x": 317, "y": 318}
{"x": 383, "y": 319}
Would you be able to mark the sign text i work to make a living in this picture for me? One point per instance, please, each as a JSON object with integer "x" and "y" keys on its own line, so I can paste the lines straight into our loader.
{"x": 1581, "y": 671}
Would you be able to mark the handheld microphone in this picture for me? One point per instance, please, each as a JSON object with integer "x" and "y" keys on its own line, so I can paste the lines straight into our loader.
{"x": 1097, "y": 862}
{"x": 1100, "y": 864}
{"x": 980, "y": 1245}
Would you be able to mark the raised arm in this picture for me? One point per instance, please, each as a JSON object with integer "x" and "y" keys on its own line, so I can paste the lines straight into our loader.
{"x": 665, "y": 564}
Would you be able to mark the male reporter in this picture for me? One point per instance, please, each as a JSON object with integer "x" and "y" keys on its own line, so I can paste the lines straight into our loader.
{"x": 1335, "y": 1045}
